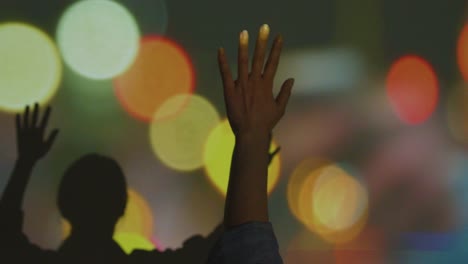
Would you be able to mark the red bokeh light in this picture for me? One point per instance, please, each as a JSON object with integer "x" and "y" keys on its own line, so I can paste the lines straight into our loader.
{"x": 462, "y": 52}
{"x": 412, "y": 89}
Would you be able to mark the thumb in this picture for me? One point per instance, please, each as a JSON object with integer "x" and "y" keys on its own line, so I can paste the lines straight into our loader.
{"x": 284, "y": 94}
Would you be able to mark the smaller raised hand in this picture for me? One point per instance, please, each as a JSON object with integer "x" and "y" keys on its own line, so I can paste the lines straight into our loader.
{"x": 32, "y": 144}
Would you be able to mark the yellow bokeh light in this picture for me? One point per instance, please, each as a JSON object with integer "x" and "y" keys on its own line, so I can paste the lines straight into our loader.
{"x": 137, "y": 219}
{"x": 30, "y": 68}
{"x": 218, "y": 153}
{"x": 308, "y": 168}
{"x": 329, "y": 203}
{"x": 339, "y": 200}
{"x": 178, "y": 136}
{"x": 99, "y": 39}
{"x": 132, "y": 241}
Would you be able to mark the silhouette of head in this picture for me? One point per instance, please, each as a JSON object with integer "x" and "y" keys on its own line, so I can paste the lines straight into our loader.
{"x": 93, "y": 194}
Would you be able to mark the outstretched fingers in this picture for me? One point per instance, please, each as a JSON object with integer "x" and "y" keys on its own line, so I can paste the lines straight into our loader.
{"x": 225, "y": 71}
{"x": 243, "y": 57}
{"x": 35, "y": 115}
{"x": 284, "y": 94}
{"x": 26, "y": 118}
{"x": 260, "y": 50}
{"x": 51, "y": 139}
{"x": 45, "y": 119}
{"x": 273, "y": 59}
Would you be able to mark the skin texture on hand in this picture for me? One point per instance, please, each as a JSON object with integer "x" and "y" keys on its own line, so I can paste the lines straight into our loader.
{"x": 253, "y": 111}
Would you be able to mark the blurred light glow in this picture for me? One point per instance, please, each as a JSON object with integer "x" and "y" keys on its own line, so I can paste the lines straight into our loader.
{"x": 412, "y": 89}
{"x": 162, "y": 69}
{"x": 307, "y": 168}
{"x": 322, "y": 71}
{"x": 152, "y": 15}
{"x": 217, "y": 158}
{"x": 137, "y": 219}
{"x": 339, "y": 200}
{"x": 30, "y": 68}
{"x": 178, "y": 141}
{"x": 462, "y": 52}
{"x": 369, "y": 247}
{"x": 328, "y": 201}
{"x": 133, "y": 241}
{"x": 99, "y": 39}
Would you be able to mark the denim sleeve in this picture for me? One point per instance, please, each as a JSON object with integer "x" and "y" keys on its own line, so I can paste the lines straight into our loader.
{"x": 250, "y": 243}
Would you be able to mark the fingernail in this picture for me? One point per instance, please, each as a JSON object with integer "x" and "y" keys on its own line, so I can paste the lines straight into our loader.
{"x": 221, "y": 50}
{"x": 244, "y": 37}
{"x": 264, "y": 31}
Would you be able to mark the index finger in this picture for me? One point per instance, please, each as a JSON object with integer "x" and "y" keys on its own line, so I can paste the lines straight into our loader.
{"x": 45, "y": 118}
{"x": 225, "y": 70}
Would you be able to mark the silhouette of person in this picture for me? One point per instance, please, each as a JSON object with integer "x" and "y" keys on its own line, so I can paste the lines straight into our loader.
{"x": 253, "y": 112}
{"x": 92, "y": 197}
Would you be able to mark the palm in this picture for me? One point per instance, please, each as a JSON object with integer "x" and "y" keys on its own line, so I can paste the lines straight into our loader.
{"x": 250, "y": 103}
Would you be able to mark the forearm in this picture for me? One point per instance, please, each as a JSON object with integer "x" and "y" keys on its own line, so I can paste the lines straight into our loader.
{"x": 247, "y": 198}
{"x": 14, "y": 192}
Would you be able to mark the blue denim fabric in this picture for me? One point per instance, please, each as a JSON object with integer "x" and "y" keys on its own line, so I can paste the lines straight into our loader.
{"x": 250, "y": 243}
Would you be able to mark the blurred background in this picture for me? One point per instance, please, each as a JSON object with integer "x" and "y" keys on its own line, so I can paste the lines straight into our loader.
{"x": 373, "y": 165}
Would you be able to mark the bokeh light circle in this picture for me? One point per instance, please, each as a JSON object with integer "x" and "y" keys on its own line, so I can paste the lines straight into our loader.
{"x": 99, "y": 39}
{"x": 308, "y": 168}
{"x": 161, "y": 70}
{"x": 218, "y": 153}
{"x": 132, "y": 241}
{"x": 339, "y": 200}
{"x": 179, "y": 140}
{"x": 462, "y": 52}
{"x": 412, "y": 89}
{"x": 137, "y": 219}
{"x": 30, "y": 68}
{"x": 328, "y": 201}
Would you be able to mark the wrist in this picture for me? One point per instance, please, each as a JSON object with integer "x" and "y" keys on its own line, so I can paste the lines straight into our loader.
{"x": 257, "y": 138}
{"x": 26, "y": 161}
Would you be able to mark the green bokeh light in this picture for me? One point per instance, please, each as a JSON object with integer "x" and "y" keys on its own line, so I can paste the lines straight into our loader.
{"x": 132, "y": 241}
{"x": 30, "y": 68}
{"x": 99, "y": 39}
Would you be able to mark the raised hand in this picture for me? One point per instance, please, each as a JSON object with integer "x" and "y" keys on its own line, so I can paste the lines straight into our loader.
{"x": 250, "y": 103}
{"x": 253, "y": 111}
{"x": 32, "y": 143}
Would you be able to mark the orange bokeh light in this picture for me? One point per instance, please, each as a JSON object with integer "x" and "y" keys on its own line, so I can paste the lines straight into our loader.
{"x": 162, "y": 69}
{"x": 412, "y": 89}
{"x": 462, "y": 52}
